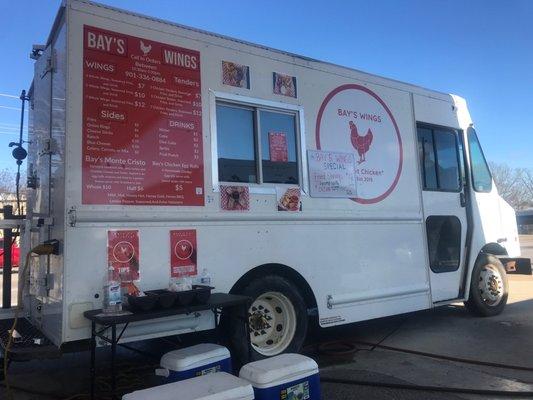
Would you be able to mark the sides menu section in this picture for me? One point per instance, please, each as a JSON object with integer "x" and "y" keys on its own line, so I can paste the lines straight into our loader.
{"x": 142, "y": 122}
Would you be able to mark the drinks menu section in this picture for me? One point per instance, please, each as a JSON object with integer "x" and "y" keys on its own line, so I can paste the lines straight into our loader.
{"x": 142, "y": 122}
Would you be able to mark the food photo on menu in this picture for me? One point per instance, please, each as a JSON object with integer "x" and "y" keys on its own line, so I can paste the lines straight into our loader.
{"x": 289, "y": 199}
{"x": 284, "y": 85}
{"x": 235, "y": 75}
{"x": 234, "y": 198}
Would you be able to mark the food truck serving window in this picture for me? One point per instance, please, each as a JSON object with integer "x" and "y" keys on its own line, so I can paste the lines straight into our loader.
{"x": 256, "y": 144}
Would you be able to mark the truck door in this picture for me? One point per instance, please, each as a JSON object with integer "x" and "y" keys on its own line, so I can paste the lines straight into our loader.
{"x": 442, "y": 168}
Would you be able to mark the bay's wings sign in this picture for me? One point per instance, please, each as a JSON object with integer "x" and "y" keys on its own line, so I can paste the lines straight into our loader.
{"x": 352, "y": 118}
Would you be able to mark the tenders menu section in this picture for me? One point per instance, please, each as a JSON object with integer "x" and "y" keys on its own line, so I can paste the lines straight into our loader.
{"x": 142, "y": 122}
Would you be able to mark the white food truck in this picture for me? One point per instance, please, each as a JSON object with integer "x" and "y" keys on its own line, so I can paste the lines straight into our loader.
{"x": 318, "y": 190}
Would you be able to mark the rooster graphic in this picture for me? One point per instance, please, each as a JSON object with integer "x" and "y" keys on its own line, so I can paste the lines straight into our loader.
{"x": 360, "y": 143}
{"x": 145, "y": 49}
{"x": 124, "y": 251}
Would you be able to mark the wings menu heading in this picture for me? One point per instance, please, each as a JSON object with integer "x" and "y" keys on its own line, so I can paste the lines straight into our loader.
{"x": 142, "y": 122}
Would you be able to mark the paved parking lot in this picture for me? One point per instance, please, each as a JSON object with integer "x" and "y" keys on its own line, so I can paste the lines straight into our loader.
{"x": 448, "y": 332}
{"x": 443, "y": 333}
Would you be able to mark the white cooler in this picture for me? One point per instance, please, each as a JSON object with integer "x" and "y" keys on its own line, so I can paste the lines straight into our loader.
{"x": 193, "y": 361}
{"x": 286, "y": 377}
{"x": 217, "y": 386}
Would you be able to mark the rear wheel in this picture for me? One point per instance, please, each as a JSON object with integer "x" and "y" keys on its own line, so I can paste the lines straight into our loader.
{"x": 272, "y": 323}
{"x": 277, "y": 317}
{"x": 488, "y": 287}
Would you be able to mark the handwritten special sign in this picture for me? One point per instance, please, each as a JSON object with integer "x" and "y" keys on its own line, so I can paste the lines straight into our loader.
{"x": 331, "y": 174}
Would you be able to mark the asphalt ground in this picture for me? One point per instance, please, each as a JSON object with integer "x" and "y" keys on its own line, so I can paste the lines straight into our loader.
{"x": 441, "y": 348}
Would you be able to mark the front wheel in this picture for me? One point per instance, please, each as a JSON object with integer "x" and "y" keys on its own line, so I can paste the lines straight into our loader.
{"x": 277, "y": 317}
{"x": 488, "y": 288}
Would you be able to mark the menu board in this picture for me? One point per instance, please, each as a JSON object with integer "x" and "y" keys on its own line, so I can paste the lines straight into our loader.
{"x": 142, "y": 122}
{"x": 331, "y": 174}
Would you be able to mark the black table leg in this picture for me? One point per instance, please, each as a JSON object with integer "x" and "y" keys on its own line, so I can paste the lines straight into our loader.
{"x": 113, "y": 354}
{"x": 218, "y": 329}
{"x": 247, "y": 331}
{"x": 93, "y": 357}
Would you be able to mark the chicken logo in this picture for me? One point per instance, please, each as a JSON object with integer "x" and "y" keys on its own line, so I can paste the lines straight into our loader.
{"x": 123, "y": 252}
{"x": 145, "y": 48}
{"x": 183, "y": 249}
{"x": 360, "y": 143}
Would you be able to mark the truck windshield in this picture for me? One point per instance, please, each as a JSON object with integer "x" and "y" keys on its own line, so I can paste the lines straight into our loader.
{"x": 481, "y": 177}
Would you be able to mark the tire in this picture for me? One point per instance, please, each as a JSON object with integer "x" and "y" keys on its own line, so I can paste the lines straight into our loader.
{"x": 489, "y": 288}
{"x": 278, "y": 319}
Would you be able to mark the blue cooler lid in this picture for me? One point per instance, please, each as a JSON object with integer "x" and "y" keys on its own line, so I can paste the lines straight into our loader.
{"x": 194, "y": 357}
{"x": 217, "y": 386}
{"x": 278, "y": 370}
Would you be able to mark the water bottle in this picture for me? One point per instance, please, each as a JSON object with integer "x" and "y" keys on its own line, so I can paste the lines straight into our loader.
{"x": 112, "y": 293}
{"x": 205, "y": 278}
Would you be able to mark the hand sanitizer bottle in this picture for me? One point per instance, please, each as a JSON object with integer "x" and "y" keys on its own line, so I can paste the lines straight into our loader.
{"x": 112, "y": 293}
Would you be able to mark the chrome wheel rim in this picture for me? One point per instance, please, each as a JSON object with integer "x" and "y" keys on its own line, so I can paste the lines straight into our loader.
{"x": 491, "y": 286}
{"x": 272, "y": 321}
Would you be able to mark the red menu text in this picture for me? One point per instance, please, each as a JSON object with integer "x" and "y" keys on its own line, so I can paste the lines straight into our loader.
{"x": 142, "y": 122}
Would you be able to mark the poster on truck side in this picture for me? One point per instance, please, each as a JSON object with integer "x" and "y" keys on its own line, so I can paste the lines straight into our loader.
{"x": 235, "y": 75}
{"x": 183, "y": 255}
{"x": 123, "y": 253}
{"x": 284, "y": 85}
{"x": 356, "y": 119}
{"x": 142, "y": 122}
{"x": 234, "y": 198}
{"x": 277, "y": 143}
{"x": 288, "y": 199}
{"x": 331, "y": 174}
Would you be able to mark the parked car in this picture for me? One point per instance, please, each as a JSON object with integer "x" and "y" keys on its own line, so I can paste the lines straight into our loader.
{"x": 15, "y": 254}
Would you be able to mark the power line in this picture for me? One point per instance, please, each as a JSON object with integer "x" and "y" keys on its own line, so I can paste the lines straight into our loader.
{"x": 9, "y": 95}
{"x": 10, "y": 108}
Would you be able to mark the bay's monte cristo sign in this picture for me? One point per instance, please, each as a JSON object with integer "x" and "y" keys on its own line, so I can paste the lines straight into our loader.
{"x": 352, "y": 118}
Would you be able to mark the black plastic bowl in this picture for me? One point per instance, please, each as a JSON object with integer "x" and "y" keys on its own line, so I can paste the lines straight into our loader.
{"x": 142, "y": 303}
{"x": 165, "y": 298}
{"x": 185, "y": 297}
{"x": 202, "y": 293}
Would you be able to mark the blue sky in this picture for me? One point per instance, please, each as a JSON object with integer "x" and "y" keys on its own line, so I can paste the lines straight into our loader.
{"x": 479, "y": 49}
